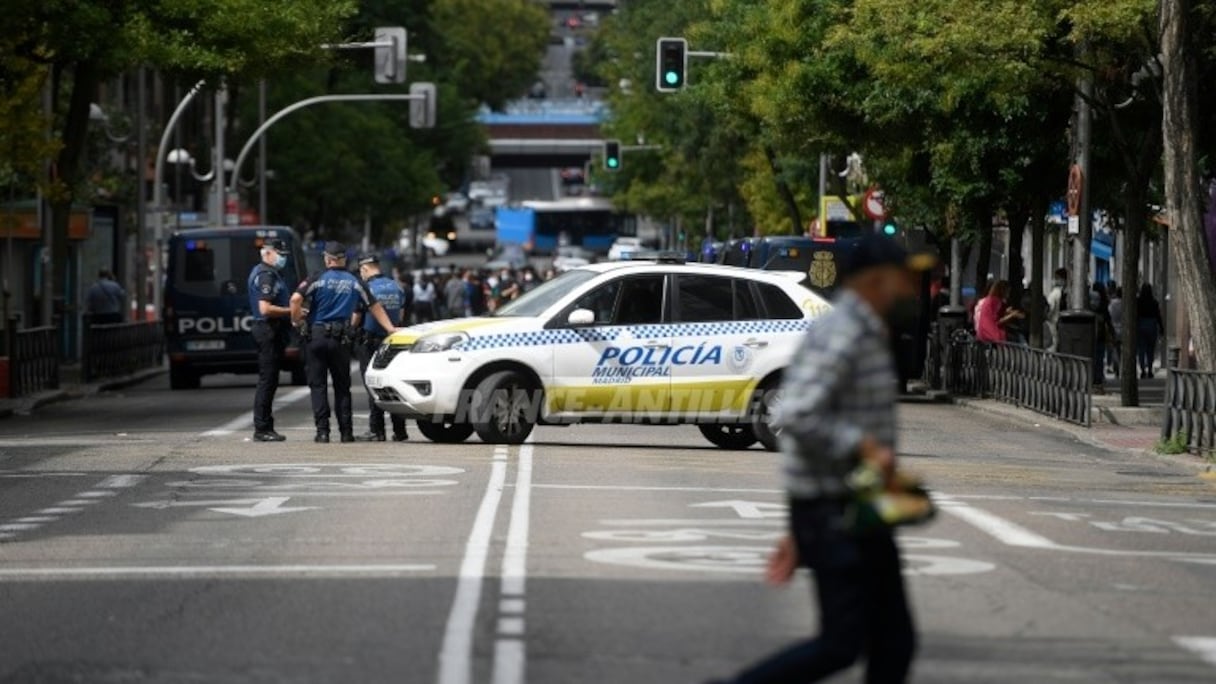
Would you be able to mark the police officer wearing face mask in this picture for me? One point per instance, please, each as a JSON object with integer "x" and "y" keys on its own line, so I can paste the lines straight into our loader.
{"x": 268, "y": 302}
{"x": 331, "y": 300}
{"x": 391, "y": 296}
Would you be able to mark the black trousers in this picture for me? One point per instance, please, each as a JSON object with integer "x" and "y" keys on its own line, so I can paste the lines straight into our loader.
{"x": 375, "y": 414}
{"x": 863, "y": 608}
{"x": 271, "y": 340}
{"x": 329, "y": 358}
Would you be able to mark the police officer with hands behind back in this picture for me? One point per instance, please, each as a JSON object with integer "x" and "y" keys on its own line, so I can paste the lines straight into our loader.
{"x": 268, "y": 303}
{"x": 391, "y": 296}
{"x": 327, "y": 303}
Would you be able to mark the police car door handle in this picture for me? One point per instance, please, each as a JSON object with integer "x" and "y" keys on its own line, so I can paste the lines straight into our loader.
{"x": 755, "y": 344}
{"x": 656, "y": 344}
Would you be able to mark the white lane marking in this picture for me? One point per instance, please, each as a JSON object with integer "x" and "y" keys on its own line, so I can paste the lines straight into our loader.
{"x": 37, "y": 475}
{"x": 500, "y": 453}
{"x": 245, "y": 421}
{"x": 1204, "y": 647}
{"x": 748, "y": 509}
{"x": 699, "y": 522}
{"x": 511, "y": 606}
{"x": 509, "y": 661}
{"x": 511, "y": 626}
{"x": 17, "y": 527}
{"x": 1064, "y": 499}
{"x": 515, "y": 558}
{"x": 96, "y": 495}
{"x": 286, "y": 492}
{"x": 36, "y": 519}
{"x": 456, "y": 654}
{"x": 246, "y": 508}
{"x": 121, "y": 481}
{"x": 79, "y": 502}
{"x": 58, "y": 510}
{"x": 203, "y": 571}
{"x": 1012, "y": 534}
{"x": 1008, "y": 533}
{"x": 639, "y": 488}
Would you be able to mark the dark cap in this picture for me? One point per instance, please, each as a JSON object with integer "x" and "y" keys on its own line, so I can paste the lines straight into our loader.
{"x": 368, "y": 258}
{"x": 335, "y": 249}
{"x": 276, "y": 245}
{"x": 875, "y": 251}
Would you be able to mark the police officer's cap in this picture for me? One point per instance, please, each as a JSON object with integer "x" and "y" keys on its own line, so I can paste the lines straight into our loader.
{"x": 276, "y": 245}
{"x": 335, "y": 249}
{"x": 368, "y": 258}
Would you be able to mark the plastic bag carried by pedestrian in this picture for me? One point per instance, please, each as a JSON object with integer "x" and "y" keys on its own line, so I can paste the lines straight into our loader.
{"x": 877, "y": 503}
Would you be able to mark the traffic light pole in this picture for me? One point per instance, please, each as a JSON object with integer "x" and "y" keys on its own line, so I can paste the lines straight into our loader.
{"x": 709, "y": 55}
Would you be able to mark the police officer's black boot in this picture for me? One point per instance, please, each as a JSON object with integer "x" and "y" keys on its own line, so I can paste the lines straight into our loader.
{"x": 372, "y": 437}
{"x": 322, "y": 437}
{"x": 348, "y": 436}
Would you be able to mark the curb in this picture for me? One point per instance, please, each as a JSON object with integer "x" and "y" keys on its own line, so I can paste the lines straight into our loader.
{"x": 30, "y": 404}
{"x": 1081, "y": 434}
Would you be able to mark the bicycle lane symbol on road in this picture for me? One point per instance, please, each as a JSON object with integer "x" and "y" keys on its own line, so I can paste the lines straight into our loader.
{"x": 743, "y": 544}
{"x": 329, "y": 479}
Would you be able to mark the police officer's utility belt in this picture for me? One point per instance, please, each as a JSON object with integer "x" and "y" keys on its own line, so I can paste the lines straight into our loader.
{"x": 331, "y": 329}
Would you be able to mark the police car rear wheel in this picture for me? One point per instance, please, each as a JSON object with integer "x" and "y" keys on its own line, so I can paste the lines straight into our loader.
{"x": 768, "y": 399}
{"x": 444, "y": 432}
{"x": 726, "y": 436}
{"x": 502, "y": 415}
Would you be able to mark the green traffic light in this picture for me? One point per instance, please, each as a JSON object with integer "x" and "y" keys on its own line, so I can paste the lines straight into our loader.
{"x": 671, "y": 77}
{"x": 889, "y": 229}
{"x": 613, "y": 162}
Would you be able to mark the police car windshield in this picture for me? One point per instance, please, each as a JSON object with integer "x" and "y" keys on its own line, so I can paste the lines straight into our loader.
{"x": 538, "y": 301}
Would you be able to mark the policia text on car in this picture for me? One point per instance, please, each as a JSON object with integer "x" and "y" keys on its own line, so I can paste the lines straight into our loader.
{"x": 325, "y": 305}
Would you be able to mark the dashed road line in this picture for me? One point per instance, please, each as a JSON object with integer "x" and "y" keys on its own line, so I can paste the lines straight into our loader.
{"x": 510, "y": 648}
{"x": 45, "y": 516}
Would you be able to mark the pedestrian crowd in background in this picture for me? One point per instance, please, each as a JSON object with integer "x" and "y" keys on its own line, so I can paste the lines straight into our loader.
{"x": 997, "y": 317}
{"x": 456, "y": 293}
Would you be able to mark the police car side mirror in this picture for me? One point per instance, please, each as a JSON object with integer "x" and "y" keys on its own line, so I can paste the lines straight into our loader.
{"x": 581, "y": 317}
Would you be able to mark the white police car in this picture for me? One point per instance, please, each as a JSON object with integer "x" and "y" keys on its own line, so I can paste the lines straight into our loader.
{"x": 624, "y": 342}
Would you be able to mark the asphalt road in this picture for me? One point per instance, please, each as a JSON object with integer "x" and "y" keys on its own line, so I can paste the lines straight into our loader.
{"x": 144, "y": 538}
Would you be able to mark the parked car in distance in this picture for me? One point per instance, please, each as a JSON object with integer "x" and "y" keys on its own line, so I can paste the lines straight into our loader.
{"x": 623, "y": 247}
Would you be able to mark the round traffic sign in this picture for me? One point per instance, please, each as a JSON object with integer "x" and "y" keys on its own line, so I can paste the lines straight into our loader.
{"x": 873, "y": 204}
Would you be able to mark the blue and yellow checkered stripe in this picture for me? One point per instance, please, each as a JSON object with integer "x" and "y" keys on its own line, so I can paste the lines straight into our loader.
{"x": 563, "y": 336}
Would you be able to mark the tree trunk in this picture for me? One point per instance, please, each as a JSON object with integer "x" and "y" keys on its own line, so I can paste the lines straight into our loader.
{"x": 1017, "y": 271}
{"x": 1135, "y": 216}
{"x": 1038, "y": 239}
{"x": 68, "y": 168}
{"x": 983, "y": 260}
{"x": 783, "y": 189}
{"x": 1182, "y": 188}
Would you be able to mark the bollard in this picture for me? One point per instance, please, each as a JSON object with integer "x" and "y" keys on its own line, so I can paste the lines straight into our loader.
{"x": 950, "y": 319}
{"x": 1077, "y": 337}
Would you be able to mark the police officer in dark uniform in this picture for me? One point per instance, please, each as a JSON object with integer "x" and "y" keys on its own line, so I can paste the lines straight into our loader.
{"x": 391, "y": 296}
{"x": 327, "y": 303}
{"x": 269, "y": 297}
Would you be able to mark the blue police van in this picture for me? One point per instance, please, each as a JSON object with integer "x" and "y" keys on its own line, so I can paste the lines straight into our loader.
{"x": 208, "y": 321}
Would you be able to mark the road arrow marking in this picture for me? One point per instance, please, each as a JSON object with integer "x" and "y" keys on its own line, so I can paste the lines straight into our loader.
{"x": 747, "y": 509}
{"x": 247, "y": 508}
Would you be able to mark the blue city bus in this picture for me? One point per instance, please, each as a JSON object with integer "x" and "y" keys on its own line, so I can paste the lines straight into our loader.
{"x": 542, "y": 226}
{"x": 206, "y": 314}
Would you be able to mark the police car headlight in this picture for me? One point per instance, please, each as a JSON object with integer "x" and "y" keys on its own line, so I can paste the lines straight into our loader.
{"x": 439, "y": 343}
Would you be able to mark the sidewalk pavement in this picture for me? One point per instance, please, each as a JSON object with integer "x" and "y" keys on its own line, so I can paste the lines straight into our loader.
{"x": 70, "y": 387}
{"x": 1136, "y": 430}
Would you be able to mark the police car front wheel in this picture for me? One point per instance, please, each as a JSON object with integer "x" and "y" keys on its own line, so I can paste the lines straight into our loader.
{"x": 503, "y": 406}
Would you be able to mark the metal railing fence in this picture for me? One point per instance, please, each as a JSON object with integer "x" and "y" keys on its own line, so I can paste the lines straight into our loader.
{"x": 1056, "y": 385}
{"x": 1190, "y": 408}
{"x": 33, "y": 358}
{"x": 118, "y": 349}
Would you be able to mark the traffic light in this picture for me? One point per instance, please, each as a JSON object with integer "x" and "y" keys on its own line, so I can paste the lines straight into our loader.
{"x": 612, "y": 155}
{"x": 671, "y": 64}
{"x": 889, "y": 228}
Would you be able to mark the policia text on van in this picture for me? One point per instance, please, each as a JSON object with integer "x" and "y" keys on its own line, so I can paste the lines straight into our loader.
{"x": 208, "y": 319}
